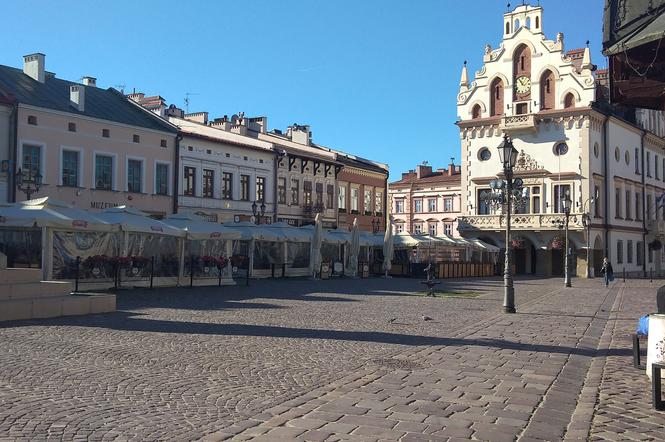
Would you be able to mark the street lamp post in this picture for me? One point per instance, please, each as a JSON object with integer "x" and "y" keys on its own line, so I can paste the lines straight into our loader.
{"x": 566, "y": 209}
{"x": 507, "y": 193}
{"x": 27, "y": 182}
{"x": 255, "y": 211}
{"x": 586, "y": 222}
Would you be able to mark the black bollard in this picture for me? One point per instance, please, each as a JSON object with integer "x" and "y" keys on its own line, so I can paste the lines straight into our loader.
{"x": 219, "y": 273}
{"x": 651, "y": 275}
{"x": 191, "y": 271}
{"x": 152, "y": 270}
{"x": 78, "y": 274}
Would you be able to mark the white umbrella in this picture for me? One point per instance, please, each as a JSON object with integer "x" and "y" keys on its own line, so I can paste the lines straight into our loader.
{"x": 388, "y": 247}
{"x": 354, "y": 248}
{"x": 315, "y": 246}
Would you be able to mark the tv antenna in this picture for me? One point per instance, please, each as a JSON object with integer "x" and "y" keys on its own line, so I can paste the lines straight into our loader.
{"x": 187, "y": 95}
{"x": 121, "y": 88}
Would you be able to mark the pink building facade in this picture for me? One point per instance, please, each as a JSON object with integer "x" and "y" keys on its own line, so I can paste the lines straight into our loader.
{"x": 427, "y": 201}
{"x": 92, "y": 147}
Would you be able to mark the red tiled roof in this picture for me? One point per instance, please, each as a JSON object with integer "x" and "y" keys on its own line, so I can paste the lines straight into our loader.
{"x": 435, "y": 177}
{"x": 575, "y": 51}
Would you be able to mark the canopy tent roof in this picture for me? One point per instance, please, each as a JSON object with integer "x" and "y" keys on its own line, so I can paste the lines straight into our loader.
{"x": 134, "y": 220}
{"x": 48, "y": 212}
{"x": 291, "y": 234}
{"x": 201, "y": 230}
{"x": 404, "y": 239}
{"x": 269, "y": 232}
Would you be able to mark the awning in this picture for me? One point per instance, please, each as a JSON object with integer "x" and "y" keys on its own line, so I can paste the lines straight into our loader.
{"x": 201, "y": 230}
{"x": 134, "y": 220}
{"x": 47, "y": 212}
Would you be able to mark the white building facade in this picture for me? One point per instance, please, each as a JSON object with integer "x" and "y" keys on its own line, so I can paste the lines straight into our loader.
{"x": 571, "y": 144}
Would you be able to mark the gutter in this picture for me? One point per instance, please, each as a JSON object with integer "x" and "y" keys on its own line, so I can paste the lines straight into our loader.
{"x": 644, "y": 206}
{"x": 176, "y": 172}
{"x": 607, "y": 190}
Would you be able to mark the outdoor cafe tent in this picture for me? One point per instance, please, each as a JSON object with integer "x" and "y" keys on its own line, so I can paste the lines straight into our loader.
{"x": 56, "y": 231}
{"x": 144, "y": 237}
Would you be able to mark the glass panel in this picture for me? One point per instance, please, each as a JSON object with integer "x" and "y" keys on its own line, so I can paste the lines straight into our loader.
{"x": 134, "y": 176}
{"x": 103, "y": 172}
{"x": 161, "y": 180}
{"x": 70, "y": 168}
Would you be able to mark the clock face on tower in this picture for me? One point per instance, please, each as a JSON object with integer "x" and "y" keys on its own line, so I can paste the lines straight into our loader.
{"x": 522, "y": 85}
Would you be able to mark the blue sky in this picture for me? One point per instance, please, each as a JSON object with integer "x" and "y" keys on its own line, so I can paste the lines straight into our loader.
{"x": 377, "y": 78}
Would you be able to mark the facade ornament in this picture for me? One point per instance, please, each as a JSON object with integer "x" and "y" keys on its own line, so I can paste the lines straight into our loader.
{"x": 559, "y": 37}
{"x": 526, "y": 163}
{"x": 488, "y": 49}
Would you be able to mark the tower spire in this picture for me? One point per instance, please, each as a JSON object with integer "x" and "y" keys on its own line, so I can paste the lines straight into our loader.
{"x": 586, "y": 59}
{"x": 464, "y": 79}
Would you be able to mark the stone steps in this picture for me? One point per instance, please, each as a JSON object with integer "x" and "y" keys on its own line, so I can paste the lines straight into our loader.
{"x": 53, "y": 307}
{"x": 41, "y": 289}
{"x": 17, "y": 276}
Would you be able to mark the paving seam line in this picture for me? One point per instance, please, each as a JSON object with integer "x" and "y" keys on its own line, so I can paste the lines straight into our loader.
{"x": 596, "y": 374}
{"x": 340, "y": 383}
{"x": 552, "y": 386}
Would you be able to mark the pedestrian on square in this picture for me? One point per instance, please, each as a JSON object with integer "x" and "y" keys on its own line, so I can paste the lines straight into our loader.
{"x": 607, "y": 272}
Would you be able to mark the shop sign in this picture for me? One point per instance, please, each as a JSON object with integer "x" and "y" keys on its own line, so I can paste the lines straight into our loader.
{"x": 102, "y": 205}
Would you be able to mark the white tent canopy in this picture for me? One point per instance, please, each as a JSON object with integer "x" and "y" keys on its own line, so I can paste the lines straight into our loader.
{"x": 134, "y": 220}
{"x": 47, "y": 212}
{"x": 201, "y": 230}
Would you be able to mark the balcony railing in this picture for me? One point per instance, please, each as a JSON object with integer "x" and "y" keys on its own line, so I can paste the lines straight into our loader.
{"x": 545, "y": 221}
{"x": 518, "y": 123}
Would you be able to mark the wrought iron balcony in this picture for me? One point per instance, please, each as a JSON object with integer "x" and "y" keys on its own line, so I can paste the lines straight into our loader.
{"x": 544, "y": 221}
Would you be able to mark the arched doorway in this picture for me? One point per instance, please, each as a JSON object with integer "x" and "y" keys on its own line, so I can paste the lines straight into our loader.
{"x": 524, "y": 256}
{"x": 597, "y": 258}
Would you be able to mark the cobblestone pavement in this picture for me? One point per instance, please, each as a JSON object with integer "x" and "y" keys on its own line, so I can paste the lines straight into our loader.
{"x": 333, "y": 360}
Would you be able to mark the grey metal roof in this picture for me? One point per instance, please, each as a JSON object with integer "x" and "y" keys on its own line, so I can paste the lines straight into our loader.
{"x": 105, "y": 104}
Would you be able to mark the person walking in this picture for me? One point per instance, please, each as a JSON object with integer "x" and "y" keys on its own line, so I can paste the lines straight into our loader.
{"x": 607, "y": 272}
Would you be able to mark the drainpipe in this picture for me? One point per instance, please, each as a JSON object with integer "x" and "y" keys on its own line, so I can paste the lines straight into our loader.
{"x": 386, "y": 216}
{"x": 607, "y": 185}
{"x": 644, "y": 207}
{"x": 176, "y": 172}
{"x": 13, "y": 159}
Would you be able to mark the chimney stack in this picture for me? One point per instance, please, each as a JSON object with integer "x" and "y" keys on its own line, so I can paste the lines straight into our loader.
{"x": 33, "y": 66}
{"x": 451, "y": 167}
{"x": 423, "y": 171}
{"x": 90, "y": 81}
{"x": 77, "y": 96}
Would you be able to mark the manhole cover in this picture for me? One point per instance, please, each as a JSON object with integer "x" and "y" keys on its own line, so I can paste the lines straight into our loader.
{"x": 399, "y": 363}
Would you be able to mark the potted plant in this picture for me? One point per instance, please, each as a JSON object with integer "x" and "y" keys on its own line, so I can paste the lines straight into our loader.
{"x": 557, "y": 243}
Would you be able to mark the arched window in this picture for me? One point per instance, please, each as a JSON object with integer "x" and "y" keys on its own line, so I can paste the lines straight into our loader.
{"x": 517, "y": 24}
{"x": 507, "y": 27}
{"x": 547, "y": 90}
{"x": 496, "y": 97}
{"x": 521, "y": 68}
{"x": 527, "y": 23}
{"x": 537, "y": 22}
{"x": 476, "y": 111}
{"x": 569, "y": 100}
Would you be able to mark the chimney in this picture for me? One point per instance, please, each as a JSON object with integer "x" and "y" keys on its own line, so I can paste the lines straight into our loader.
{"x": 300, "y": 134}
{"x": 451, "y": 167}
{"x": 77, "y": 96}
{"x": 90, "y": 81}
{"x": 197, "y": 117}
{"x": 33, "y": 66}
{"x": 136, "y": 96}
{"x": 258, "y": 124}
{"x": 423, "y": 171}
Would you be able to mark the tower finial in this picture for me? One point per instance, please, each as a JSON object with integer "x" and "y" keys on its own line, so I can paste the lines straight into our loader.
{"x": 464, "y": 79}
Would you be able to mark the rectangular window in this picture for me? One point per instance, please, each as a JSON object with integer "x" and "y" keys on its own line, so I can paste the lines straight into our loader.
{"x": 637, "y": 160}
{"x": 638, "y": 206}
{"x": 432, "y": 229}
{"x": 307, "y": 193}
{"x": 649, "y": 207}
{"x": 535, "y": 199}
{"x": 261, "y": 189}
{"x": 330, "y": 196}
{"x": 106, "y": 133}
{"x": 208, "y": 183}
{"x": 378, "y": 202}
{"x": 32, "y": 159}
{"x": 281, "y": 190}
{"x": 656, "y": 166}
{"x": 418, "y": 229}
{"x": 190, "y": 181}
{"x": 647, "y": 166}
{"x": 70, "y": 168}
{"x": 227, "y": 185}
{"x": 448, "y": 229}
{"x": 431, "y": 205}
{"x": 483, "y": 207}
{"x": 354, "y": 199}
{"x": 134, "y": 176}
{"x": 71, "y": 127}
{"x": 319, "y": 194}
{"x": 244, "y": 187}
{"x": 399, "y": 206}
{"x": 162, "y": 179}
{"x": 399, "y": 228}
{"x": 596, "y": 201}
{"x": 629, "y": 251}
{"x": 342, "y": 198}
{"x": 619, "y": 252}
{"x": 418, "y": 206}
{"x": 295, "y": 192}
{"x": 628, "y": 204}
{"x": 639, "y": 252}
{"x": 136, "y": 139}
{"x": 103, "y": 172}
{"x": 368, "y": 201}
{"x": 447, "y": 204}
{"x": 617, "y": 202}
{"x": 561, "y": 192}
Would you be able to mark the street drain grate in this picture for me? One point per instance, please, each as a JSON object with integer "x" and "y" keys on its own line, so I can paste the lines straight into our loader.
{"x": 399, "y": 363}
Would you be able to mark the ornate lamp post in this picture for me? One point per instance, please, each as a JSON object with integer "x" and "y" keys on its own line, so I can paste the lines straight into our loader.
{"x": 258, "y": 215}
{"x": 566, "y": 210}
{"x": 507, "y": 193}
{"x": 27, "y": 182}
